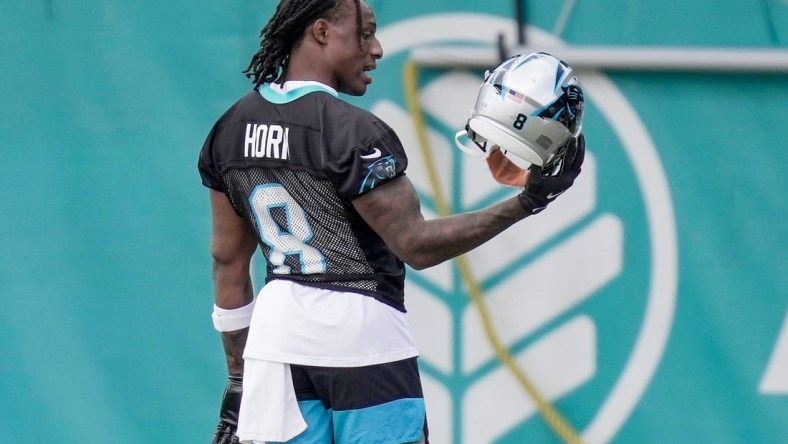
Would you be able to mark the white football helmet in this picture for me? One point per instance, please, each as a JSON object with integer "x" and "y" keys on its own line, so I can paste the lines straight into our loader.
{"x": 530, "y": 105}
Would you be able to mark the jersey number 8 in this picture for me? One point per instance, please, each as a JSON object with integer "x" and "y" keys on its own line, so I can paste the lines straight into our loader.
{"x": 287, "y": 240}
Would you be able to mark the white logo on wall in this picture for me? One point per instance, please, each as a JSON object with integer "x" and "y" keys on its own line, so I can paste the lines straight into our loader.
{"x": 774, "y": 381}
{"x": 565, "y": 358}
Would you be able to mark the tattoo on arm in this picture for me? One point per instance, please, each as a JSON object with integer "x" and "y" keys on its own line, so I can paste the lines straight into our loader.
{"x": 234, "y": 343}
{"x": 394, "y": 212}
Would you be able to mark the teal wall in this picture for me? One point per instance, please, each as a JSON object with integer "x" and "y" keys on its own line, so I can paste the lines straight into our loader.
{"x": 105, "y": 295}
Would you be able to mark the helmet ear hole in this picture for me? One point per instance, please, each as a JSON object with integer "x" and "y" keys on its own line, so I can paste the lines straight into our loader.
{"x": 530, "y": 105}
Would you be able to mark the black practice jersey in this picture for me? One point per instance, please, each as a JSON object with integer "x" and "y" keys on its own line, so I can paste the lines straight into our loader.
{"x": 291, "y": 164}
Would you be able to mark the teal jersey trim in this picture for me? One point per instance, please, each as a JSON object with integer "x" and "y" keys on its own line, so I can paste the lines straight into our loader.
{"x": 296, "y": 93}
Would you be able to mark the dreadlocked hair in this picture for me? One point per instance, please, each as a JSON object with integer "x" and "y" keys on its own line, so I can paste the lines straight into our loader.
{"x": 284, "y": 31}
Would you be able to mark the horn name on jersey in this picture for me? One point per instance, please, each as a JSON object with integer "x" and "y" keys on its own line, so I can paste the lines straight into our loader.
{"x": 266, "y": 141}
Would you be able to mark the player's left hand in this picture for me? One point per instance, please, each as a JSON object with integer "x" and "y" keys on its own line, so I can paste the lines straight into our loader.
{"x": 547, "y": 183}
{"x": 228, "y": 414}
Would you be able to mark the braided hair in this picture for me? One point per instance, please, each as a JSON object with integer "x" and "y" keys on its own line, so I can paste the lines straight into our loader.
{"x": 284, "y": 32}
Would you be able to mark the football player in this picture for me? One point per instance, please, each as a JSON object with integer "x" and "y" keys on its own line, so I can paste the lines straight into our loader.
{"x": 324, "y": 353}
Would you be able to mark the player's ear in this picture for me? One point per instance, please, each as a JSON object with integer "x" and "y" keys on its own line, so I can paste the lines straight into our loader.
{"x": 319, "y": 30}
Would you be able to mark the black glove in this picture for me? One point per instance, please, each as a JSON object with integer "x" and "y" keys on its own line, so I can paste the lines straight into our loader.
{"x": 228, "y": 415}
{"x": 546, "y": 183}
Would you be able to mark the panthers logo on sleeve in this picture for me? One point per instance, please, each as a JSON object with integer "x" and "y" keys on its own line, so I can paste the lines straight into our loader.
{"x": 382, "y": 169}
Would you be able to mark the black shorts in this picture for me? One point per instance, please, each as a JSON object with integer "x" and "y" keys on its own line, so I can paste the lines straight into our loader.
{"x": 381, "y": 403}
